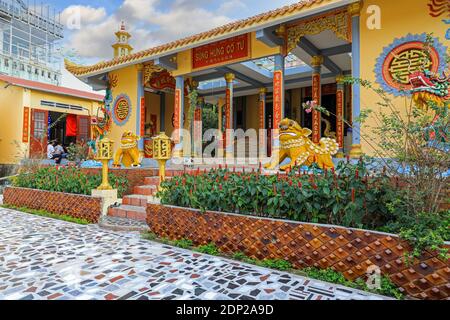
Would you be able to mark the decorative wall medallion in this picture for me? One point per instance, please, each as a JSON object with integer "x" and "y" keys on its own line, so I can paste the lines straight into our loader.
{"x": 403, "y": 57}
{"x": 122, "y": 109}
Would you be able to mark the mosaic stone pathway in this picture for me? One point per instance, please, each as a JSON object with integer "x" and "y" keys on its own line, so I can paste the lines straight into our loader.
{"x": 42, "y": 258}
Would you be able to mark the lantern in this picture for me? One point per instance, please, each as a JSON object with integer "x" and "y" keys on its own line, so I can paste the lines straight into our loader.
{"x": 105, "y": 154}
{"x": 162, "y": 151}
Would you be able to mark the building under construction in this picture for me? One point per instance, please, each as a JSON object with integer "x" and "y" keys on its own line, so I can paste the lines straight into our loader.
{"x": 29, "y": 37}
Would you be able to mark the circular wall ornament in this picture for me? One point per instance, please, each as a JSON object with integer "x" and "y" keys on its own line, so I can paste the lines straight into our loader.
{"x": 403, "y": 57}
{"x": 122, "y": 109}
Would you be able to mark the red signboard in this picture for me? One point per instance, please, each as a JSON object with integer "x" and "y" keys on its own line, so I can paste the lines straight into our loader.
{"x": 142, "y": 133}
{"x": 161, "y": 81}
{"x": 228, "y": 109}
{"x": 316, "y": 96}
{"x": 26, "y": 125}
{"x": 262, "y": 111}
{"x": 340, "y": 118}
{"x": 277, "y": 98}
{"x": 176, "y": 114}
{"x": 232, "y": 49}
{"x": 198, "y": 124}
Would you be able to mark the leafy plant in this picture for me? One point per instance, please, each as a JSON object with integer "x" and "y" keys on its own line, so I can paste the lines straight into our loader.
{"x": 210, "y": 249}
{"x": 77, "y": 152}
{"x": 68, "y": 180}
{"x": 346, "y": 196}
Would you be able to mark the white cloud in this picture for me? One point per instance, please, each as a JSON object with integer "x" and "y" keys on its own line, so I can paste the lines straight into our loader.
{"x": 231, "y": 6}
{"x": 85, "y": 14}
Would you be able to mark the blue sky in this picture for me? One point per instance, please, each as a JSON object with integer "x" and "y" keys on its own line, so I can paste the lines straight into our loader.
{"x": 151, "y": 22}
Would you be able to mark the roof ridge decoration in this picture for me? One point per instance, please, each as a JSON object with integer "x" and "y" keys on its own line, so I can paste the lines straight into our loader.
{"x": 339, "y": 21}
{"x": 80, "y": 71}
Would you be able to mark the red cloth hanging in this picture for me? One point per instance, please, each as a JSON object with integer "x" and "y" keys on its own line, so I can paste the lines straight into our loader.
{"x": 71, "y": 125}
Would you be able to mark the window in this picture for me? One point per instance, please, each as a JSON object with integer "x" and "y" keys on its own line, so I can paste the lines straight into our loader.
{"x": 83, "y": 129}
{"x": 39, "y": 125}
{"x": 7, "y": 63}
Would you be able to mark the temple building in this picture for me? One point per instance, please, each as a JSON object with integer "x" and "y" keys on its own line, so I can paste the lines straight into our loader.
{"x": 33, "y": 113}
{"x": 260, "y": 70}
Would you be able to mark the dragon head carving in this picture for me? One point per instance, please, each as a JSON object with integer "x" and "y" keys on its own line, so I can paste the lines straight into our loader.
{"x": 427, "y": 86}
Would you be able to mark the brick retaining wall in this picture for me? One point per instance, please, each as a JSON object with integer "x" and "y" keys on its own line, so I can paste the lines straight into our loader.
{"x": 73, "y": 205}
{"x": 349, "y": 251}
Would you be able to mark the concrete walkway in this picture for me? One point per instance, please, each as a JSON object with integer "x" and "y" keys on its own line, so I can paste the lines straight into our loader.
{"x": 43, "y": 258}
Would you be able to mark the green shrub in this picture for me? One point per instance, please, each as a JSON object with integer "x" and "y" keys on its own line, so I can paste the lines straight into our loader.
{"x": 344, "y": 197}
{"x": 210, "y": 249}
{"x": 67, "y": 179}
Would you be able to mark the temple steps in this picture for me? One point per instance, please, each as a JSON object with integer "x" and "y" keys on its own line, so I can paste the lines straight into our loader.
{"x": 134, "y": 206}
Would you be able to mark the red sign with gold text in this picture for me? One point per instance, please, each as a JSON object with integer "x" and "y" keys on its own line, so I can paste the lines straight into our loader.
{"x": 316, "y": 96}
{"x": 236, "y": 48}
{"x": 176, "y": 114}
{"x": 161, "y": 81}
{"x": 26, "y": 124}
{"x": 262, "y": 111}
{"x": 277, "y": 96}
{"x": 142, "y": 117}
{"x": 340, "y": 116}
{"x": 228, "y": 110}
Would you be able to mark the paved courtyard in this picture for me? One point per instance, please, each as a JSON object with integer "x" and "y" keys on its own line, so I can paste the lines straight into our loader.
{"x": 43, "y": 258}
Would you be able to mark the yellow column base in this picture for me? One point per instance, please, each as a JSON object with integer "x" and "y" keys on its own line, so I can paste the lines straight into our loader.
{"x": 105, "y": 182}
{"x": 356, "y": 151}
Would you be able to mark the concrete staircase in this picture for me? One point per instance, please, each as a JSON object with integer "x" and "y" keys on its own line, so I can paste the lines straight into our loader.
{"x": 134, "y": 206}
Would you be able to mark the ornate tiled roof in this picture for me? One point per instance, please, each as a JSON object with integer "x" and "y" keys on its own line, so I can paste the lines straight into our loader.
{"x": 240, "y": 25}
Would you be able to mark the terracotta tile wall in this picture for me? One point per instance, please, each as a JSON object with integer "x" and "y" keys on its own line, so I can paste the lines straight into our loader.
{"x": 76, "y": 206}
{"x": 305, "y": 245}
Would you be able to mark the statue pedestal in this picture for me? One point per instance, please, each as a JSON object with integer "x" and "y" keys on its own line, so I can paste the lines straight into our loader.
{"x": 109, "y": 197}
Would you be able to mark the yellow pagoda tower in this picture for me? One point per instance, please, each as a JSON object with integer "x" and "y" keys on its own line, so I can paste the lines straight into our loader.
{"x": 122, "y": 47}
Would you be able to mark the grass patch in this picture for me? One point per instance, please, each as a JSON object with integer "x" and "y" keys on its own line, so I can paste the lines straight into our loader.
{"x": 210, "y": 249}
{"x": 46, "y": 214}
{"x": 387, "y": 288}
{"x": 184, "y": 243}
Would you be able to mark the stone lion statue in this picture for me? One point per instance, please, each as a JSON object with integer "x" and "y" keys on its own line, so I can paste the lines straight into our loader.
{"x": 128, "y": 152}
{"x": 296, "y": 145}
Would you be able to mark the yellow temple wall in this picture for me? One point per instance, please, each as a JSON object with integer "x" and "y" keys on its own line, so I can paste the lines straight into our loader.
{"x": 398, "y": 19}
{"x": 11, "y": 111}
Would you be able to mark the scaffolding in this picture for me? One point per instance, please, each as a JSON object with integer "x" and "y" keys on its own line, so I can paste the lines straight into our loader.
{"x": 29, "y": 41}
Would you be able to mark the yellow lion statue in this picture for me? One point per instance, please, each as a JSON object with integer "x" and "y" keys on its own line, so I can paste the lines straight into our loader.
{"x": 128, "y": 152}
{"x": 296, "y": 145}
